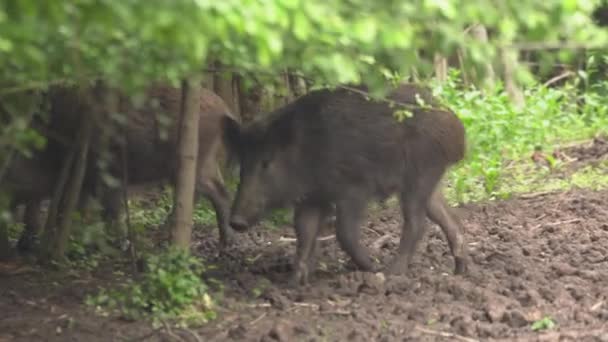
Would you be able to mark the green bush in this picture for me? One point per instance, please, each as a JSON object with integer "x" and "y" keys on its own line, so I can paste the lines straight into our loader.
{"x": 171, "y": 288}
{"x": 498, "y": 132}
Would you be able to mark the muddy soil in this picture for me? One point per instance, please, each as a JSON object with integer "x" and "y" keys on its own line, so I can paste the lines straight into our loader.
{"x": 545, "y": 254}
{"x": 533, "y": 256}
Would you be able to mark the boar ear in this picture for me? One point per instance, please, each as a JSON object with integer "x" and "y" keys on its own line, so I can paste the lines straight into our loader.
{"x": 233, "y": 136}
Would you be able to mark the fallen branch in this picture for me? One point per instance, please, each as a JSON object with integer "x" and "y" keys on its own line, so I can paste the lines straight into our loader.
{"x": 307, "y": 305}
{"x": 171, "y": 333}
{"x": 338, "y": 312}
{"x": 381, "y": 241}
{"x": 375, "y": 231}
{"x": 445, "y": 334}
{"x": 193, "y": 333}
{"x": 288, "y": 239}
{"x": 258, "y": 319}
{"x": 558, "y": 78}
{"x": 535, "y": 194}
{"x": 534, "y": 46}
{"x": 597, "y": 305}
{"x": 554, "y": 224}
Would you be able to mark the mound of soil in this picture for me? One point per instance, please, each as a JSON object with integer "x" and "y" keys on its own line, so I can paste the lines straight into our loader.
{"x": 531, "y": 257}
{"x": 596, "y": 149}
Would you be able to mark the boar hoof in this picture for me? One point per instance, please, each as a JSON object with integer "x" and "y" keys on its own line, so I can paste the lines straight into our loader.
{"x": 226, "y": 239}
{"x": 300, "y": 276}
{"x": 238, "y": 224}
{"x": 460, "y": 266}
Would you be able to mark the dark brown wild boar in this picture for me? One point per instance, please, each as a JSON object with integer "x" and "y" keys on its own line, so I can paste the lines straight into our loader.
{"x": 333, "y": 147}
{"x": 151, "y": 159}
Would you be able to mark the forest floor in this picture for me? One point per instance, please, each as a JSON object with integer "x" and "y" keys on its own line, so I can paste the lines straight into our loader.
{"x": 532, "y": 256}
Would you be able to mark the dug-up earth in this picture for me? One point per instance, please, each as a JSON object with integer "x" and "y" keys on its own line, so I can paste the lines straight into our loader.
{"x": 534, "y": 256}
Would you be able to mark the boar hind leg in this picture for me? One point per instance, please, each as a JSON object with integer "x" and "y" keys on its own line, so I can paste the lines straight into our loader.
{"x": 439, "y": 212}
{"x": 349, "y": 214}
{"x": 308, "y": 219}
{"x": 211, "y": 185}
{"x": 412, "y": 230}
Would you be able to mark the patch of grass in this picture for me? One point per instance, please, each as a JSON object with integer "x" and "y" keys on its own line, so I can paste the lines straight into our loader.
{"x": 545, "y": 323}
{"x": 278, "y": 218}
{"x": 525, "y": 177}
{"x": 151, "y": 214}
{"x": 171, "y": 289}
{"x": 498, "y": 132}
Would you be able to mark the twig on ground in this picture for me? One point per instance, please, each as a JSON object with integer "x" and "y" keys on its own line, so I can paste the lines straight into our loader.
{"x": 258, "y": 319}
{"x": 445, "y": 334}
{"x": 375, "y": 231}
{"x": 381, "y": 241}
{"x": 558, "y": 78}
{"x": 307, "y": 305}
{"x": 553, "y": 224}
{"x": 323, "y": 238}
{"x": 535, "y": 194}
{"x": 338, "y": 312}
{"x": 597, "y": 305}
{"x": 170, "y": 332}
{"x": 193, "y": 333}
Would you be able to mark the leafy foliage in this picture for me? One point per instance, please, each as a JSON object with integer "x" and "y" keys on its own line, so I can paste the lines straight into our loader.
{"x": 132, "y": 42}
{"x": 545, "y": 323}
{"x": 499, "y": 133}
{"x": 170, "y": 289}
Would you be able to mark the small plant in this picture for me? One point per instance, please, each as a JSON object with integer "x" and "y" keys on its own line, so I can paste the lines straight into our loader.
{"x": 204, "y": 214}
{"x": 171, "y": 288}
{"x": 545, "y": 323}
{"x": 279, "y": 218}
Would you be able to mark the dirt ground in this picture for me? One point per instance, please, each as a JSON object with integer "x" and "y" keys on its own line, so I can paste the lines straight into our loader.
{"x": 533, "y": 256}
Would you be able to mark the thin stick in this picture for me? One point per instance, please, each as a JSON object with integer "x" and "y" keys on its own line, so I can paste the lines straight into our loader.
{"x": 288, "y": 239}
{"x": 597, "y": 305}
{"x": 534, "y": 46}
{"x": 306, "y": 305}
{"x": 193, "y": 334}
{"x": 125, "y": 199}
{"x": 381, "y": 241}
{"x": 170, "y": 332}
{"x": 445, "y": 334}
{"x": 559, "y": 78}
{"x": 258, "y": 319}
{"x": 536, "y": 194}
{"x": 338, "y": 312}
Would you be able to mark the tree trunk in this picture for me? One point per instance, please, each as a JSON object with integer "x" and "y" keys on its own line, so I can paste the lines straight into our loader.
{"x": 296, "y": 85}
{"x": 250, "y": 101}
{"x": 68, "y": 188}
{"x": 441, "y": 68}
{"x": 73, "y": 190}
{"x": 225, "y": 86}
{"x": 5, "y": 246}
{"x": 55, "y": 205}
{"x": 509, "y": 60}
{"x": 488, "y": 80}
{"x": 186, "y": 172}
